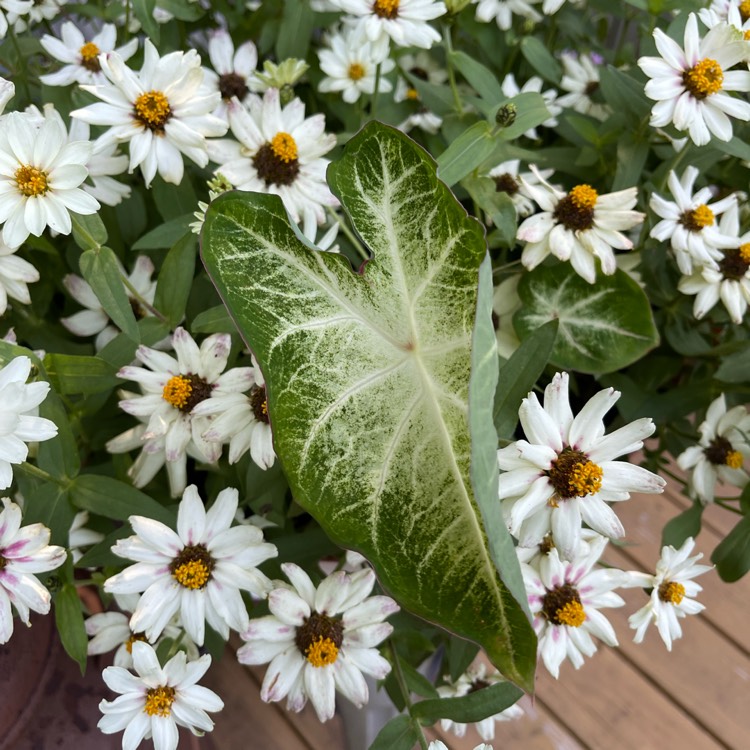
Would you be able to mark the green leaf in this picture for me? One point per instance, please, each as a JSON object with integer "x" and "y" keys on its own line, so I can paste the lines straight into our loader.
{"x": 732, "y": 556}
{"x": 185, "y": 11}
{"x": 540, "y": 58}
{"x": 113, "y": 499}
{"x": 144, "y": 12}
{"x": 624, "y": 93}
{"x": 58, "y": 456}
{"x": 176, "y": 280}
{"x": 734, "y": 367}
{"x": 531, "y": 111}
{"x": 70, "y": 373}
{"x": 102, "y": 271}
{"x": 498, "y": 205}
{"x": 69, "y": 621}
{"x": 470, "y": 708}
{"x": 165, "y": 235}
{"x": 482, "y": 79}
{"x": 397, "y": 734}
{"x": 602, "y": 327}
{"x": 631, "y": 158}
{"x": 518, "y": 375}
{"x": 377, "y": 449}
{"x": 89, "y": 232}
{"x": 214, "y": 320}
{"x": 687, "y": 523}
{"x": 48, "y": 504}
{"x": 101, "y": 555}
{"x": 461, "y": 654}
{"x": 466, "y": 153}
{"x": 174, "y": 201}
{"x": 296, "y": 29}
{"x": 416, "y": 682}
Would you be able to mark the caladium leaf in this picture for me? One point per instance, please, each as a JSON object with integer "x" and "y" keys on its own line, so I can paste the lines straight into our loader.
{"x": 602, "y": 327}
{"x": 367, "y": 378}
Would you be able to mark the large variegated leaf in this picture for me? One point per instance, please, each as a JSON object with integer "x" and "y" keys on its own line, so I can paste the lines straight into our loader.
{"x": 602, "y": 327}
{"x": 368, "y": 377}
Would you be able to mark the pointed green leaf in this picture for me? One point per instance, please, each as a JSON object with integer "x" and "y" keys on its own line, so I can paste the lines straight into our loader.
{"x": 466, "y": 153}
{"x": 176, "y": 279}
{"x": 602, "y": 326}
{"x": 69, "y": 620}
{"x": 398, "y": 734}
{"x": 732, "y": 556}
{"x": 368, "y": 376}
{"x": 687, "y": 523}
{"x": 469, "y": 708}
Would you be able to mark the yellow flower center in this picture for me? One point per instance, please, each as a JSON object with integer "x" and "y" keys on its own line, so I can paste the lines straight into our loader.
{"x": 571, "y": 614}
{"x": 697, "y": 218}
{"x": 704, "y": 78}
{"x": 177, "y": 391}
{"x": 745, "y": 10}
{"x": 585, "y": 479}
{"x": 745, "y": 252}
{"x": 192, "y": 574}
{"x": 733, "y": 460}
{"x": 746, "y": 35}
{"x": 672, "y": 592}
{"x": 386, "y": 8}
{"x": 356, "y": 71}
{"x": 412, "y": 95}
{"x": 284, "y": 147}
{"x": 322, "y": 652}
{"x": 90, "y": 57}
{"x": 31, "y": 181}
{"x": 159, "y": 701}
{"x": 583, "y": 196}
{"x": 133, "y": 638}
{"x": 152, "y": 110}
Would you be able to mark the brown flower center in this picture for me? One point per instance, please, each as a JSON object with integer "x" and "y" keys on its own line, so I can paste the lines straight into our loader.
{"x": 259, "y": 403}
{"x": 562, "y": 606}
{"x": 506, "y": 183}
{"x": 192, "y": 567}
{"x": 133, "y": 638}
{"x": 671, "y": 592}
{"x": 185, "y": 392}
{"x": 735, "y": 263}
{"x": 695, "y": 219}
{"x": 159, "y": 701}
{"x": 276, "y": 162}
{"x": 232, "y": 84}
{"x": 576, "y": 210}
{"x": 90, "y": 57}
{"x": 31, "y": 181}
{"x": 573, "y": 475}
{"x": 319, "y": 639}
{"x": 704, "y": 78}
{"x": 386, "y": 8}
{"x": 721, "y": 453}
{"x": 152, "y": 110}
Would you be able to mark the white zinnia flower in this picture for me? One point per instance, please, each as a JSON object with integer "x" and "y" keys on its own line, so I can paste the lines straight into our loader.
{"x": 158, "y": 700}
{"x": 688, "y": 222}
{"x": 509, "y": 179}
{"x": 94, "y": 321}
{"x": 578, "y": 226}
{"x": 172, "y": 388}
{"x": 350, "y": 63}
{"x": 423, "y": 67}
{"x": 565, "y": 599}
{"x": 320, "y": 640}
{"x": 15, "y": 274}
{"x": 440, "y": 745}
{"x": 581, "y": 79}
{"x": 505, "y": 303}
{"x": 534, "y": 84}
{"x": 241, "y": 420}
{"x": 672, "y": 593}
{"x": 159, "y": 110}
{"x": 79, "y": 536}
{"x": 476, "y": 678}
{"x": 721, "y": 452}
{"x": 81, "y": 56}
{"x": 40, "y": 177}
{"x": 23, "y": 552}
{"x": 730, "y": 281}
{"x": 278, "y": 151}
{"x": 565, "y": 472}
{"x": 33, "y": 13}
{"x": 404, "y": 21}
{"x": 197, "y": 572}
{"x": 233, "y": 71}
{"x": 502, "y": 11}
{"x": 11, "y": 9}
{"x": 690, "y": 85}
{"x": 18, "y": 421}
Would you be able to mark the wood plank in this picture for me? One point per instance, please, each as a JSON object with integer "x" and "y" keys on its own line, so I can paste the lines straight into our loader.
{"x": 705, "y": 673}
{"x": 644, "y": 517}
{"x": 609, "y": 704}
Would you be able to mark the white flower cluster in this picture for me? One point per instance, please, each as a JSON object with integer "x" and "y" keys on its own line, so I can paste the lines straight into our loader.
{"x": 565, "y": 474}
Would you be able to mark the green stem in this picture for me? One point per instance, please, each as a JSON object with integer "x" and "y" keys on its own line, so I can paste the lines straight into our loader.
{"x": 399, "y": 675}
{"x": 37, "y": 473}
{"x": 20, "y": 70}
{"x": 670, "y": 474}
{"x": 349, "y": 234}
{"x": 138, "y": 297}
{"x": 724, "y": 505}
{"x": 175, "y": 645}
{"x": 448, "y": 43}
{"x": 376, "y": 91}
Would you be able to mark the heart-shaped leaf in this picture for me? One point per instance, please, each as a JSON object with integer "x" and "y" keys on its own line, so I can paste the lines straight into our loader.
{"x": 368, "y": 380}
{"x": 602, "y": 327}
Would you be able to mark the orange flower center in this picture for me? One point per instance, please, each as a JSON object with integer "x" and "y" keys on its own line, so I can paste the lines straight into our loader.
{"x": 31, "y": 181}
{"x": 704, "y": 78}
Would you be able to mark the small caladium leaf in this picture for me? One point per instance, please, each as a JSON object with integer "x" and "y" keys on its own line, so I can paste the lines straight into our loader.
{"x": 367, "y": 378}
{"x": 602, "y": 326}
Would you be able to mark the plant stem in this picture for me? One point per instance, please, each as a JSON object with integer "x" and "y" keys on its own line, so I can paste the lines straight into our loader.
{"x": 376, "y": 91}
{"x": 349, "y": 234}
{"x": 35, "y": 471}
{"x": 20, "y": 70}
{"x": 399, "y": 675}
{"x": 448, "y": 43}
{"x": 670, "y": 474}
{"x": 724, "y": 505}
{"x": 138, "y": 297}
